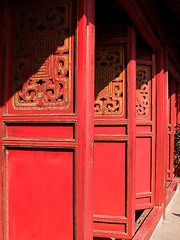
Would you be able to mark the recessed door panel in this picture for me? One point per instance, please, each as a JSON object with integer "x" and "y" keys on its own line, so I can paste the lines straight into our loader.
{"x": 143, "y": 164}
{"x": 109, "y": 173}
{"x": 39, "y": 194}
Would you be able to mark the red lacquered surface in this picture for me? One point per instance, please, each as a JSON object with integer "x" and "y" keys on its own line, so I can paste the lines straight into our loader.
{"x": 39, "y": 194}
{"x": 118, "y": 130}
{"x": 143, "y": 167}
{"x": 143, "y": 201}
{"x": 143, "y": 128}
{"x": 35, "y": 131}
{"x": 105, "y": 227}
{"x": 110, "y": 164}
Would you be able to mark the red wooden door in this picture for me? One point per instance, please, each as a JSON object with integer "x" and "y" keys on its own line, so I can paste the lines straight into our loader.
{"x": 114, "y": 109}
{"x": 171, "y": 127}
{"x": 145, "y": 129}
{"x": 42, "y": 123}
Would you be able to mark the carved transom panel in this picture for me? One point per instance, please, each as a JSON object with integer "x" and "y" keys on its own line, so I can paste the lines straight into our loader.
{"x": 42, "y": 56}
{"x": 143, "y": 92}
{"x": 109, "y": 81}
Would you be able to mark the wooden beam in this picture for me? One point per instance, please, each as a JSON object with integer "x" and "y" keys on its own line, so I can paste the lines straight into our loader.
{"x": 173, "y": 72}
{"x": 145, "y": 16}
{"x": 149, "y": 225}
{"x": 132, "y": 8}
{"x": 173, "y": 61}
{"x": 141, "y": 219}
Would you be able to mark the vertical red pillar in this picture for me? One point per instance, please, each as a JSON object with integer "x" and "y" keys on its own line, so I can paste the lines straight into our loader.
{"x": 85, "y": 94}
{"x": 162, "y": 131}
{"x": 89, "y": 120}
{"x": 132, "y": 122}
{"x": 166, "y": 136}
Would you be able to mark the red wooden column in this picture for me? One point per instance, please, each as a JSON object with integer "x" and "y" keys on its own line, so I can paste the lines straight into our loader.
{"x": 85, "y": 93}
{"x": 132, "y": 124}
{"x": 178, "y": 103}
{"x": 162, "y": 133}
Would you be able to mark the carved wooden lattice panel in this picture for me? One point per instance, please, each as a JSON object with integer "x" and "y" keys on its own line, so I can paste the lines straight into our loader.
{"x": 110, "y": 81}
{"x": 143, "y": 92}
{"x": 42, "y": 74}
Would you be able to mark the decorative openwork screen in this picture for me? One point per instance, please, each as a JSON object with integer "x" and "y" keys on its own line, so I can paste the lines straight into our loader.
{"x": 143, "y": 92}
{"x": 42, "y": 53}
{"x": 110, "y": 81}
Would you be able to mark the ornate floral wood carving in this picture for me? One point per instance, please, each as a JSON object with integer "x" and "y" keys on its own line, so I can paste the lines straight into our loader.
{"x": 143, "y": 92}
{"x": 42, "y": 56}
{"x": 109, "y": 81}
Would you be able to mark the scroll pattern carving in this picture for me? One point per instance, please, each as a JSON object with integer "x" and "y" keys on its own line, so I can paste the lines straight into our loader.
{"x": 42, "y": 56}
{"x": 109, "y": 81}
{"x": 143, "y": 92}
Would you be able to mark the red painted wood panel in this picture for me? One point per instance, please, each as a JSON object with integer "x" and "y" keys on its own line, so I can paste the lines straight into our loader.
{"x": 105, "y": 227}
{"x": 109, "y": 173}
{"x": 109, "y": 130}
{"x": 44, "y": 131}
{"x": 143, "y": 164}
{"x": 143, "y": 128}
{"x": 143, "y": 201}
{"x": 38, "y": 188}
